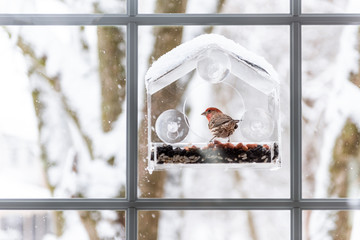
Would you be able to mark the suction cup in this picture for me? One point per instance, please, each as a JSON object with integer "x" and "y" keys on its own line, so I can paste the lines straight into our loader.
{"x": 214, "y": 66}
{"x": 257, "y": 125}
{"x": 171, "y": 126}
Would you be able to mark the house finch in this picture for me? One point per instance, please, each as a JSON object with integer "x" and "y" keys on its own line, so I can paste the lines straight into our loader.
{"x": 220, "y": 124}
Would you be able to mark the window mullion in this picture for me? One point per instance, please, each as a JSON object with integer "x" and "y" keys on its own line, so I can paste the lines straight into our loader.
{"x": 295, "y": 128}
{"x": 295, "y": 7}
{"x": 296, "y": 224}
{"x": 132, "y": 128}
{"x": 295, "y": 111}
{"x": 131, "y": 223}
{"x": 132, "y": 7}
{"x": 132, "y": 103}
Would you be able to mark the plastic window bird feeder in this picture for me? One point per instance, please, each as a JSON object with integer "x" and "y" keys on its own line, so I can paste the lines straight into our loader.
{"x": 228, "y": 77}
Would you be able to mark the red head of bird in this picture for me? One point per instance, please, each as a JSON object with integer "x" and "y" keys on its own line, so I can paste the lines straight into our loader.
{"x": 211, "y": 111}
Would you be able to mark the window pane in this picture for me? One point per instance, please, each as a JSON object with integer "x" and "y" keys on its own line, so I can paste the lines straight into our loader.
{"x": 62, "y": 6}
{"x": 205, "y": 177}
{"x": 208, "y": 225}
{"x": 334, "y": 6}
{"x": 62, "y": 225}
{"x": 213, "y": 6}
{"x": 330, "y": 88}
{"x": 331, "y": 224}
{"x": 62, "y": 105}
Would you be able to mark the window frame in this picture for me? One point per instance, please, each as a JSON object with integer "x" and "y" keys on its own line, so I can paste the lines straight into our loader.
{"x": 295, "y": 19}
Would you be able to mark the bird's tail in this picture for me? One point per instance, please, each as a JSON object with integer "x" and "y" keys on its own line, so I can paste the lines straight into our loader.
{"x": 236, "y": 122}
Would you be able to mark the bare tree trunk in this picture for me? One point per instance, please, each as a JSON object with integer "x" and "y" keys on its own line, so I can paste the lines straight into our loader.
{"x": 112, "y": 73}
{"x": 170, "y": 6}
{"x": 111, "y": 53}
{"x": 152, "y": 186}
{"x": 346, "y": 151}
{"x": 252, "y": 226}
{"x": 89, "y": 224}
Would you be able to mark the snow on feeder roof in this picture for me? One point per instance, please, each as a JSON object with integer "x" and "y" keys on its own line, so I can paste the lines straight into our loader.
{"x": 245, "y": 65}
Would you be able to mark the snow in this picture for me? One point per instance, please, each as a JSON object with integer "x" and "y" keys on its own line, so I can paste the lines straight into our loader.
{"x": 105, "y": 229}
{"x": 81, "y": 91}
{"x": 73, "y": 226}
{"x": 355, "y": 233}
{"x": 231, "y": 225}
{"x": 61, "y": 7}
{"x": 10, "y": 234}
{"x": 27, "y": 189}
{"x": 69, "y": 168}
{"x": 258, "y": 6}
{"x": 22, "y": 176}
{"x": 334, "y": 103}
{"x": 14, "y": 89}
{"x": 334, "y": 6}
{"x": 246, "y": 65}
{"x": 329, "y": 56}
{"x": 209, "y": 6}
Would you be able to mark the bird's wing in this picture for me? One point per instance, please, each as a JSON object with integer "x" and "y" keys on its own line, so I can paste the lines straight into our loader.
{"x": 216, "y": 122}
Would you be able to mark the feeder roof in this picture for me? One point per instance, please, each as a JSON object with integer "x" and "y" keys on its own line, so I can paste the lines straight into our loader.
{"x": 245, "y": 65}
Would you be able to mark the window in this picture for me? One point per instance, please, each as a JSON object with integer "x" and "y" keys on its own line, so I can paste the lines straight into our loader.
{"x": 73, "y": 104}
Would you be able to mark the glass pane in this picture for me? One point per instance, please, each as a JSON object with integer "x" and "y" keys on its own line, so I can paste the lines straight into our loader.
{"x": 187, "y": 166}
{"x": 64, "y": 225}
{"x": 331, "y": 224}
{"x": 62, "y": 112}
{"x": 62, "y": 6}
{"x": 211, "y": 225}
{"x": 330, "y": 6}
{"x": 213, "y": 6}
{"x": 330, "y": 88}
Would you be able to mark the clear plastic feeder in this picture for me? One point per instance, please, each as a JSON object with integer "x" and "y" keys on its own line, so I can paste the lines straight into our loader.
{"x": 212, "y": 71}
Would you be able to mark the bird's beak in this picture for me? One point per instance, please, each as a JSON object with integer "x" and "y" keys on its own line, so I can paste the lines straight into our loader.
{"x": 204, "y": 113}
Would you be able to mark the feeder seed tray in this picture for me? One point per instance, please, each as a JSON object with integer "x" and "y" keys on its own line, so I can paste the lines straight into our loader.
{"x": 215, "y": 153}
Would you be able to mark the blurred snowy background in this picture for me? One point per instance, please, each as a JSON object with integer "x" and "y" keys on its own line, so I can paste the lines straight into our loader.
{"x": 62, "y": 124}
{"x": 62, "y": 131}
{"x": 55, "y": 225}
{"x": 63, "y": 6}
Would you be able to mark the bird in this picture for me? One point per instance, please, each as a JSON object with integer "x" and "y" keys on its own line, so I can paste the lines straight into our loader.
{"x": 220, "y": 124}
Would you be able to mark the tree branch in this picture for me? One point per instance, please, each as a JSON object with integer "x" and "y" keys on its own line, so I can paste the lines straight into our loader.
{"x": 38, "y": 67}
